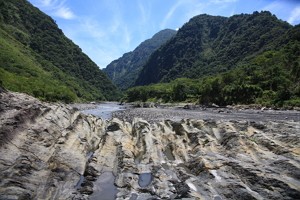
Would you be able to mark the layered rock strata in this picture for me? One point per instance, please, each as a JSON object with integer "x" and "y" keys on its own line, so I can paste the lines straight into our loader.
{"x": 51, "y": 151}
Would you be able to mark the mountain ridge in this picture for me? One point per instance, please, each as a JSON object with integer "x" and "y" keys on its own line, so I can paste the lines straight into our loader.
{"x": 29, "y": 34}
{"x": 125, "y": 70}
{"x": 208, "y": 45}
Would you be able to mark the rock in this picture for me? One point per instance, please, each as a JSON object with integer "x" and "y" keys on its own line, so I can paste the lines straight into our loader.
{"x": 86, "y": 190}
{"x": 50, "y": 151}
{"x": 187, "y": 106}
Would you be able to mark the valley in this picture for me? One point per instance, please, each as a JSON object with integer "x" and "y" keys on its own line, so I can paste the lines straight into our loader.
{"x": 208, "y": 110}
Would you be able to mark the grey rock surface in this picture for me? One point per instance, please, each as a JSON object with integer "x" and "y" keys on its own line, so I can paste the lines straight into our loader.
{"x": 51, "y": 151}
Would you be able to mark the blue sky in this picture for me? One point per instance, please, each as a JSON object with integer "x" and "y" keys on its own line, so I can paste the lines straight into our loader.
{"x": 106, "y": 29}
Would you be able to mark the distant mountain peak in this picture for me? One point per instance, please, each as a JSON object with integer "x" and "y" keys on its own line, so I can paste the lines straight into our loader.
{"x": 124, "y": 71}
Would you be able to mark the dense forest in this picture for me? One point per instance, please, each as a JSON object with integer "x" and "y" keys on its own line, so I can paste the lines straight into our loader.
{"x": 208, "y": 45}
{"x": 261, "y": 66}
{"x": 125, "y": 70}
{"x": 37, "y": 58}
{"x": 269, "y": 79}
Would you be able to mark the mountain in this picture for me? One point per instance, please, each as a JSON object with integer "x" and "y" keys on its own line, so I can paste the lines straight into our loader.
{"x": 37, "y": 58}
{"x": 208, "y": 45}
{"x": 124, "y": 71}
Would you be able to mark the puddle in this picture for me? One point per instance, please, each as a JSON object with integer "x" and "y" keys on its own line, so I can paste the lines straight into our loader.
{"x": 217, "y": 197}
{"x": 78, "y": 185}
{"x": 104, "y": 187}
{"x": 133, "y": 197}
{"x": 169, "y": 153}
{"x": 145, "y": 179}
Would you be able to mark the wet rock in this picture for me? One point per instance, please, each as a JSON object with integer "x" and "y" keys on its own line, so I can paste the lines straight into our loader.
{"x": 182, "y": 190}
{"x": 90, "y": 171}
{"x": 86, "y": 190}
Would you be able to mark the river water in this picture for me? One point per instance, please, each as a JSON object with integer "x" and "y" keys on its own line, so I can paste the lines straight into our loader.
{"x": 104, "y": 187}
{"x": 105, "y": 110}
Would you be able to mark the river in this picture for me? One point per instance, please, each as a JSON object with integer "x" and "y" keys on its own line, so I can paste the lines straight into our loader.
{"x": 105, "y": 110}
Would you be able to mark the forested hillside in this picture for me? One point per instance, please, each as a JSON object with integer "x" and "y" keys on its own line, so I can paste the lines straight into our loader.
{"x": 37, "y": 58}
{"x": 125, "y": 70}
{"x": 208, "y": 45}
{"x": 269, "y": 76}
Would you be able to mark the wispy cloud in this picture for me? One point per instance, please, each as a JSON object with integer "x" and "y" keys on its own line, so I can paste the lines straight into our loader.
{"x": 143, "y": 11}
{"x": 103, "y": 40}
{"x": 295, "y": 16}
{"x": 127, "y": 36}
{"x": 171, "y": 13}
{"x": 196, "y": 7}
{"x": 273, "y": 6}
{"x": 222, "y": 1}
{"x": 65, "y": 13}
{"x": 56, "y": 8}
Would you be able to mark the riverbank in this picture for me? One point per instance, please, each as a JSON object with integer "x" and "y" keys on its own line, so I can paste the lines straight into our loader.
{"x": 53, "y": 151}
{"x": 159, "y": 112}
{"x": 178, "y": 113}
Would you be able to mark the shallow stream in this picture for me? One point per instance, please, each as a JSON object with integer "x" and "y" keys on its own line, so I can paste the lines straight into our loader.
{"x": 104, "y": 110}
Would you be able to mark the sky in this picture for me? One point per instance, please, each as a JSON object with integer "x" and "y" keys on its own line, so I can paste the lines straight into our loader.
{"x": 106, "y": 29}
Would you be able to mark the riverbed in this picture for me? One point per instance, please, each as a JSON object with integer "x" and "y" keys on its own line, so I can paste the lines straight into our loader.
{"x": 127, "y": 113}
{"x": 104, "y": 110}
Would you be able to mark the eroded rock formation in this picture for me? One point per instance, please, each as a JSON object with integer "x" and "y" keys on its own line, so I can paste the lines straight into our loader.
{"x": 51, "y": 151}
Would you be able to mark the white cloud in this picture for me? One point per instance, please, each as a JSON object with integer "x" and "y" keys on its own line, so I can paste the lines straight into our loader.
{"x": 90, "y": 27}
{"x": 295, "y": 16}
{"x": 171, "y": 12}
{"x": 65, "y": 13}
{"x": 144, "y": 15}
{"x": 274, "y": 6}
{"x": 103, "y": 40}
{"x": 46, "y": 2}
{"x": 196, "y": 7}
{"x": 55, "y": 7}
{"x": 127, "y": 37}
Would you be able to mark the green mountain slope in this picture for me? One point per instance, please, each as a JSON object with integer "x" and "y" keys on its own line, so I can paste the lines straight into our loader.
{"x": 208, "y": 45}
{"x": 124, "y": 71}
{"x": 270, "y": 78}
{"x": 38, "y": 59}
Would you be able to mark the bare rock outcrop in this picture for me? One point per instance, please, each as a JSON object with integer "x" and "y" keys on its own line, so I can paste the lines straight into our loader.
{"x": 51, "y": 151}
{"x": 43, "y": 148}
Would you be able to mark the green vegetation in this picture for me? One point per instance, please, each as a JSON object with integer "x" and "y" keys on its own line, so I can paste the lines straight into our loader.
{"x": 36, "y": 58}
{"x": 125, "y": 70}
{"x": 272, "y": 78}
{"x": 244, "y": 59}
{"x": 209, "y": 45}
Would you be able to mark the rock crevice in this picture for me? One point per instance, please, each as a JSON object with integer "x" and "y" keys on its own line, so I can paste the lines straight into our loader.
{"x": 52, "y": 151}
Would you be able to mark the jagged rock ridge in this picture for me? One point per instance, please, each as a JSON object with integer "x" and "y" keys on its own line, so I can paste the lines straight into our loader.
{"x": 51, "y": 151}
